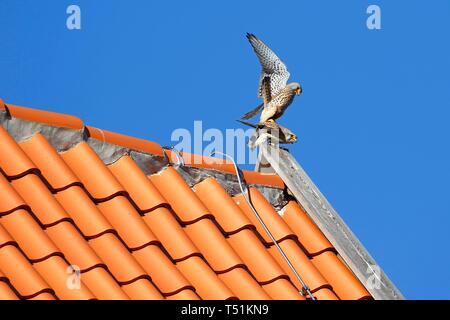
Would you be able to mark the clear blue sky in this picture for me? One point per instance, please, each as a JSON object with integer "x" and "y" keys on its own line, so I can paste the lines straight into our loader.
{"x": 373, "y": 119}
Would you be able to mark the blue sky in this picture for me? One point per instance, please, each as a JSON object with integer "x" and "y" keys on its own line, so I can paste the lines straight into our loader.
{"x": 372, "y": 120}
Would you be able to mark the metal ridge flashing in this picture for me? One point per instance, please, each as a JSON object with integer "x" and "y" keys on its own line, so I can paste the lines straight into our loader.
{"x": 63, "y": 139}
{"x": 331, "y": 224}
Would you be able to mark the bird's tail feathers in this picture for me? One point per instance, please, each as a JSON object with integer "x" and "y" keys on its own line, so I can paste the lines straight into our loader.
{"x": 253, "y": 112}
{"x": 248, "y": 124}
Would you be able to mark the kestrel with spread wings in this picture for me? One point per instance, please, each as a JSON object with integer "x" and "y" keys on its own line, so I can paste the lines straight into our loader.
{"x": 273, "y": 88}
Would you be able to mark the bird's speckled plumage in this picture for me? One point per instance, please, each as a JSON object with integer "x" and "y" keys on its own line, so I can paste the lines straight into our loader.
{"x": 273, "y": 87}
{"x": 274, "y": 71}
{"x": 276, "y": 107}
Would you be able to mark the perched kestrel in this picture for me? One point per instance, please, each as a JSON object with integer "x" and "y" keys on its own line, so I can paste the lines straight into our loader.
{"x": 273, "y": 88}
{"x": 270, "y": 130}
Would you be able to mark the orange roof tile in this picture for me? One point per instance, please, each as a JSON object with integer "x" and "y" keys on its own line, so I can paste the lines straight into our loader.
{"x": 47, "y": 117}
{"x": 181, "y": 198}
{"x": 103, "y": 285}
{"x": 200, "y": 161}
{"x": 171, "y": 235}
{"x": 325, "y": 294}
{"x": 72, "y": 244}
{"x": 134, "y": 236}
{"x": 43, "y": 296}
{"x": 54, "y": 271}
{"x": 6, "y": 292}
{"x": 302, "y": 264}
{"x": 254, "y": 254}
{"x": 136, "y": 183}
{"x": 40, "y": 199}
{"x": 219, "y": 203}
{"x": 162, "y": 271}
{"x": 242, "y": 284}
{"x": 282, "y": 289}
{"x": 10, "y": 198}
{"x": 127, "y": 222}
{"x": 305, "y": 229}
{"x": 206, "y": 282}
{"x": 5, "y": 239}
{"x": 83, "y": 211}
{"x": 341, "y": 279}
{"x": 125, "y": 141}
{"x": 95, "y": 176}
{"x": 184, "y": 295}
{"x": 20, "y": 273}
{"x": 13, "y": 161}
{"x": 119, "y": 260}
{"x": 142, "y": 289}
{"x": 224, "y": 165}
{"x": 267, "y": 179}
{"x": 29, "y": 236}
{"x": 213, "y": 246}
{"x": 274, "y": 222}
{"x": 48, "y": 161}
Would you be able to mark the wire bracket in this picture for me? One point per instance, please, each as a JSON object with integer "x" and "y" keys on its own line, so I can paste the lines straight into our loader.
{"x": 305, "y": 291}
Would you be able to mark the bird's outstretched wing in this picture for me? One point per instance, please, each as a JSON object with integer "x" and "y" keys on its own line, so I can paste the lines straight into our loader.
{"x": 273, "y": 69}
{"x": 248, "y": 124}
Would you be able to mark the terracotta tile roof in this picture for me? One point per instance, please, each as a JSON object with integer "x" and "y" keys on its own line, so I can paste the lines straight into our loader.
{"x": 136, "y": 232}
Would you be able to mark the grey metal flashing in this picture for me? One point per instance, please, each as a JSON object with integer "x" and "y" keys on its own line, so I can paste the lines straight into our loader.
{"x": 276, "y": 196}
{"x": 60, "y": 138}
{"x": 110, "y": 153}
{"x": 331, "y": 224}
{"x": 3, "y": 115}
{"x": 149, "y": 163}
{"x": 63, "y": 139}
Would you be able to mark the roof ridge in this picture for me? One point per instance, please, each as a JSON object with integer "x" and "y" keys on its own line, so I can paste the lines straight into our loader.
{"x": 111, "y": 146}
{"x": 43, "y": 116}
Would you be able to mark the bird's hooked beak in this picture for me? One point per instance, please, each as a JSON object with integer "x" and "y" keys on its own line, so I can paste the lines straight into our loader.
{"x": 298, "y": 91}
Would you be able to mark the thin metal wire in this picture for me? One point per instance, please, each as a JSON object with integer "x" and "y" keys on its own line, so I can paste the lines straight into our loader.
{"x": 305, "y": 289}
{"x": 180, "y": 159}
{"x": 103, "y": 140}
